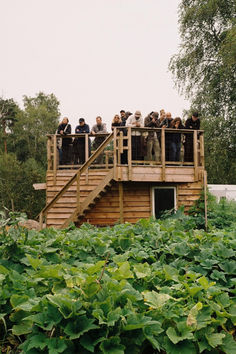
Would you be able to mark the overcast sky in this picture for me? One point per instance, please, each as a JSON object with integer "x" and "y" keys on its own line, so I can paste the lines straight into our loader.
{"x": 96, "y": 56}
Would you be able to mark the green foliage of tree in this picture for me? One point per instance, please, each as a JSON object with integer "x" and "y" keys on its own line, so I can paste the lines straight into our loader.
{"x": 24, "y": 161}
{"x": 16, "y": 185}
{"x": 39, "y": 117}
{"x": 205, "y": 67}
{"x": 8, "y": 116}
{"x": 205, "y": 70}
{"x": 220, "y": 150}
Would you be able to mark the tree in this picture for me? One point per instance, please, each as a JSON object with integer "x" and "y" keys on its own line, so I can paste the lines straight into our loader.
{"x": 16, "y": 185}
{"x": 205, "y": 70}
{"x": 25, "y": 160}
{"x": 205, "y": 67}
{"x": 8, "y": 116}
{"x": 39, "y": 117}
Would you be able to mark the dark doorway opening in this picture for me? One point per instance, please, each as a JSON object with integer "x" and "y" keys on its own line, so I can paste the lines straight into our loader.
{"x": 164, "y": 199}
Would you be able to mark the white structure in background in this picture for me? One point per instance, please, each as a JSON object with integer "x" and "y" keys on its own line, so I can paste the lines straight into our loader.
{"x": 223, "y": 190}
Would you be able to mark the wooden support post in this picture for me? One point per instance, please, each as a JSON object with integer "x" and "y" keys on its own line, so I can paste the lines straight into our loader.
{"x": 205, "y": 197}
{"x": 49, "y": 153}
{"x": 54, "y": 159}
{"x": 195, "y": 155}
{"x": 121, "y": 202}
{"x": 41, "y": 221}
{"x": 163, "y": 154}
{"x": 86, "y": 155}
{"x": 129, "y": 154}
{"x": 120, "y": 146}
{"x": 78, "y": 192}
{"x": 202, "y": 157}
{"x": 115, "y": 153}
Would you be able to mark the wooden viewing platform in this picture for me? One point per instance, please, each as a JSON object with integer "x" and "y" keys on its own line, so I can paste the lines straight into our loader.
{"x": 115, "y": 192}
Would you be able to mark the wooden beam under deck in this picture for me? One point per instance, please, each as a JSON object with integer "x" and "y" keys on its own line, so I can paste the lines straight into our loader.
{"x": 155, "y": 173}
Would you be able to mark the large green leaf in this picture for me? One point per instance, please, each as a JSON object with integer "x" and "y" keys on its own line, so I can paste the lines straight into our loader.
{"x": 23, "y": 328}
{"x": 112, "y": 346}
{"x": 156, "y": 300}
{"x": 138, "y": 320}
{"x": 74, "y": 329}
{"x": 184, "y": 347}
{"x": 215, "y": 339}
{"x": 67, "y": 306}
{"x": 228, "y": 344}
{"x": 142, "y": 270}
{"x": 176, "y": 338}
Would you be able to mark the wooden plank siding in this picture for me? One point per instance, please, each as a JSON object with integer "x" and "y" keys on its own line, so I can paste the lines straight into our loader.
{"x": 126, "y": 201}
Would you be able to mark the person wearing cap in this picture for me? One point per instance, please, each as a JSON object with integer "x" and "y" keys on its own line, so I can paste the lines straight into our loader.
{"x": 136, "y": 121}
{"x": 123, "y": 117}
{"x": 152, "y": 121}
{"x": 194, "y": 124}
{"x": 79, "y": 143}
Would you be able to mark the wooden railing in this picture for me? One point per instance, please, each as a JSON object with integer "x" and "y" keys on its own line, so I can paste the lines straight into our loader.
{"x": 122, "y": 141}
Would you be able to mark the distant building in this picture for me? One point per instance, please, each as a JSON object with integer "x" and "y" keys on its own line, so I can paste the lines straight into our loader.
{"x": 227, "y": 191}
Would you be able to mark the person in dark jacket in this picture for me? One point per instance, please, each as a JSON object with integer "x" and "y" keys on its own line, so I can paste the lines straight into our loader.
{"x": 79, "y": 143}
{"x": 99, "y": 128}
{"x": 116, "y": 122}
{"x": 175, "y": 143}
{"x": 166, "y": 123}
{"x": 194, "y": 124}
{"x": 65, "y": 129}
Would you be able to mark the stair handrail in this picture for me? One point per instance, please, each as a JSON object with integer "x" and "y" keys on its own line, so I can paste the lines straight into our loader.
{"x": 81, "y": 170}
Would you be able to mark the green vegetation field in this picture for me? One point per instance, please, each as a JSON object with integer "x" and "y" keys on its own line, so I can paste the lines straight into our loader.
{"x": 155, "y": 287}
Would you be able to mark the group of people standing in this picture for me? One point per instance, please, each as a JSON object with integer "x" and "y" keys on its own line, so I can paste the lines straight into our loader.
{"x": 142, "y": 143}
{"x": 73, "y": 151}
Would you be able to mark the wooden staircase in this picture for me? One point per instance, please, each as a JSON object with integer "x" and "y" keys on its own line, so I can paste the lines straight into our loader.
{"x": 71, "y": 193}
{"x": 66, "y": 209}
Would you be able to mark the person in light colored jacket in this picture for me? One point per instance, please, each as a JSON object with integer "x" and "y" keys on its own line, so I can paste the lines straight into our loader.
{"x": 136, "y": 121}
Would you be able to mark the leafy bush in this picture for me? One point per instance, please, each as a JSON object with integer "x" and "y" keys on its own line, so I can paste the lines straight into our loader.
{"x": 154, "y": 287}
{"x": 220, "y": 214}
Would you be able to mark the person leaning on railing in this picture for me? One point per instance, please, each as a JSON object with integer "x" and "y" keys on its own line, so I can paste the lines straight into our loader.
{"x": 79, "y": 143}
{"x": 99, "y": 128}
{"x": 194, "y": 124}
{"x": 136, "y": 121}
{"x": 116, "y": 122}
{"x": 65, "y": 129}
{"x": 166, "y": 123}
{"x": 151, "y": 121}
{"x": 175, "y": 143}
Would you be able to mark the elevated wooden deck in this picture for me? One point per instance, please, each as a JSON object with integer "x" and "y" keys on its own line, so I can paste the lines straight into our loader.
{"x": 115, "y": 192}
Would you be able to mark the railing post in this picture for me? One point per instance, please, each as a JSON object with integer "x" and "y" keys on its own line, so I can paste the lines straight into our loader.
{"x": 86, "y": 155}
{"x": 205, "y": 197}
{"x": 202, "y": 157}
{"x": 78, "y": 192}
{"x": 163, "y": 154}
{"x": 120, "y": 146}
{"x": 54, "y": 158}
{"x": 41, "y": 221}
{"x": 195, "y": 155}
{"x": 114, "y": 152}
{"x": 129, "y": 155}
{"x": 49, "y": 152}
